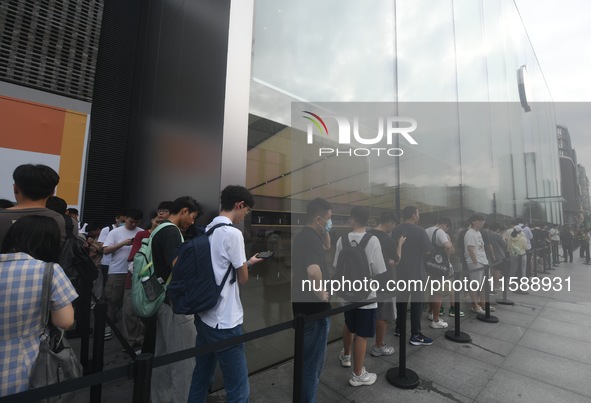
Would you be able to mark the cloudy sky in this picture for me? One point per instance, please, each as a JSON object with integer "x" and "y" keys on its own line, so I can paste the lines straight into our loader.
{"x": 560, "y": 32}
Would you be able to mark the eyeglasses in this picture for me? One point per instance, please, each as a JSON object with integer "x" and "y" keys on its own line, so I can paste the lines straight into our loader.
{"x": 249, "y": 210}
{"x": 163, "y": 211}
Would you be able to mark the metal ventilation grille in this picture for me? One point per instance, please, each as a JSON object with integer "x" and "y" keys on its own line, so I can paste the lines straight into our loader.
{"x": 50, "y": 45}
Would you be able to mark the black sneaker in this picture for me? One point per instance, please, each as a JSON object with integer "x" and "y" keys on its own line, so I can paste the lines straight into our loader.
{"x": 420, "y": 340}
{"x": 397, "y": 332}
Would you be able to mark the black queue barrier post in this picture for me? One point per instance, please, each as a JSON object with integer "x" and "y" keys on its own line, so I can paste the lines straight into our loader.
{"x": 298, "y": 358}
{"x": 457, "y": 335}
{"x": 506, "y": 270}
{"x": 142, "y": 378}
{"x": 400, "y": 376}
{"x": 84, "y": 323}
{"x": 98, "y": 347}
{"x": 487, "y": 317}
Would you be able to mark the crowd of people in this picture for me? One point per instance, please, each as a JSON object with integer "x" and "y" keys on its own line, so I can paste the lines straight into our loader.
{"x": 33, "y": 230}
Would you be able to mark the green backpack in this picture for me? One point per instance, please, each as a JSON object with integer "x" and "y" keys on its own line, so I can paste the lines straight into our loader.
{"x": 147, "y": 291}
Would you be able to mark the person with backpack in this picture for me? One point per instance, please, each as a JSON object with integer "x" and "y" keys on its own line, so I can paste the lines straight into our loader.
{"x": 224, "y": 320}
{"x": 167, "y": 332}
{"x": 358, "y": 254}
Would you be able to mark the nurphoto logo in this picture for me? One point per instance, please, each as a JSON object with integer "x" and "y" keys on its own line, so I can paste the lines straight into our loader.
{"x": 388, "y": 127}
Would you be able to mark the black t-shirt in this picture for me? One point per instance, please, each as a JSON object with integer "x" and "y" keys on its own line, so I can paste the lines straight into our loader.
{"x": 414, "y": 248}
{"x": 307, "y": 250}
{"x": 164, "y": 246}
{"x": 388, "y": 245}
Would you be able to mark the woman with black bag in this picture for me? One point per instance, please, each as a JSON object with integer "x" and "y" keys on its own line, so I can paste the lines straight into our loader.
{"x": 29, "y": 243}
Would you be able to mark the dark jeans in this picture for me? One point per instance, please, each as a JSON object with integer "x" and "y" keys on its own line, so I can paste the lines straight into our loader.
{"x": 555, "y": 255}
{"x": 315, "y": 338}
{"x": 585, "y": 251}
{"x": 416, "y": 309}
{"x": 568, "y": 252}
{"x": 232, "y": 362}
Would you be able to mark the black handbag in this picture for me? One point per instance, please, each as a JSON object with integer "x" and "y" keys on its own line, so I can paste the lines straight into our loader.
{"x": 436, "y": 261}
{"x": 56, "y": 361}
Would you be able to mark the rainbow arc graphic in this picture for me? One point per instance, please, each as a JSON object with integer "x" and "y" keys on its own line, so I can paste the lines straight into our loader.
{"x": 317, "y": 121}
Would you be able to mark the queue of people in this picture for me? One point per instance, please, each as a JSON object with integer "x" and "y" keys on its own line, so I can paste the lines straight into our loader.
{"x": 33, "y": 230}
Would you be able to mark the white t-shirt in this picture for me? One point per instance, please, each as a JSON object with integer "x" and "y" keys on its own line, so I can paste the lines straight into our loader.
{"x": 474, "y": 238}
{"x": 227, "y": 247}
{"x": 118, "y": 264}
{"x": 375, "y": 258}
{"x": 440, "y": 238}
{"x": 106, "y": 260}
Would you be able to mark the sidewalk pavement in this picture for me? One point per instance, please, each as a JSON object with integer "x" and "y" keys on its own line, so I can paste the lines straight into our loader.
{"x": 539, "y": 351}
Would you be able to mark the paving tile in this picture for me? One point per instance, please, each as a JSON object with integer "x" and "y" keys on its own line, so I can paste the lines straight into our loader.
{"x": 561, "y": 346}
{"x": 459, "y": 373}
{"x": 569, "y": 330}
{"x": 509, "y": 386}
{"x": 551, "y": 369}
{"x": 482, "y": 348}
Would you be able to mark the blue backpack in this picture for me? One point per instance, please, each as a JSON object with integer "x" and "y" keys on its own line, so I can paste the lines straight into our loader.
{"x": 193, "y": 288}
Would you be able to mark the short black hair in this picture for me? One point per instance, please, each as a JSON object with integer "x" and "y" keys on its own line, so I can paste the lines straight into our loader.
{"x": 57, "y": 204}
{"x": 92, "y": 226}
{"x": 37, "y": 236}
{"x": 165, "y": 205}
{"x": 387, "y": 217}
{"x": 476, "y": 217}
{"x": 35, "y": 182}
{"x": 6, "y": 203}
{"x": 72, "y": 210}
{"x": 317, "y": 207}
{"x": 233, "y": 194}
{"x": 135, "y": 214}
{"x": 360, "y": 215}
{"x": 185, "y": 202}
{"x": 408, "y": 212}
{"x": 444, "y": 221}
{"x": 495, "y": 226}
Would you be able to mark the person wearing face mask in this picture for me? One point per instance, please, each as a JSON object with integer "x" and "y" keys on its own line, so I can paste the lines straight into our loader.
{"x": 309, "y": 264}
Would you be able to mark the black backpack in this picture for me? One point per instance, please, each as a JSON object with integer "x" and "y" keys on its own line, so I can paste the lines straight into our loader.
{"x": 75, "y": 261}
{"x": 193, "y": 288}
{"x": 353, "y": 267}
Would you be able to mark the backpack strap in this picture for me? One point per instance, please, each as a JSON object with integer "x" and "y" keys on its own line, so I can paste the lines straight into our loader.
{"x": 433, "y": 237}
{"x": 230, "y": 267}
{"x": 365, "y": 240}
{"x": 154, "y": 232}
{"x": 46, "y": 293}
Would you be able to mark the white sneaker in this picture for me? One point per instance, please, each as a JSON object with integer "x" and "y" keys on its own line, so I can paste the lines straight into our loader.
{"x": 366, "y": 378}
{"x": 383, "y": 350}
{"x": 108, "y": 333}
{"x": 440, "y": 324}
{"x": 345, "y": 359}
{"x": 430, "y": 315}
{"x": 478, "y": 310}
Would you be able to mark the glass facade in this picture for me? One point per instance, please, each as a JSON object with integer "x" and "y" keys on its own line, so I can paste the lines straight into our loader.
{"x": 453, "y": 66}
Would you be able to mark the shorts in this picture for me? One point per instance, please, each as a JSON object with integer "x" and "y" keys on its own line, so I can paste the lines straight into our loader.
{"x": 115, "y": 288}
{"x": 362, "y": 322}
{"x": 385, "y": 311}
{"x": 477, "y": 275}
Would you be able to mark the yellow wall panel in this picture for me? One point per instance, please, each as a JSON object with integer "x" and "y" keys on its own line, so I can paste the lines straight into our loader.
{"x": 72, "y": 156}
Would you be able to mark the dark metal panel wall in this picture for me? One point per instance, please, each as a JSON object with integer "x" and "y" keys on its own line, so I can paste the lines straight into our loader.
{"x": 109, "y": 158}
{"x": 158, "y": 107}
{"x": 178, "y": 108}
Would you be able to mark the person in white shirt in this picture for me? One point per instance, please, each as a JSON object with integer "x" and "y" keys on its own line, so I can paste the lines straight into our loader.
{"x": 360, "y": 323}
{"x": 225, "y": 319}
{"x": 118, "y": 246}
{"x": 476, "y": 259}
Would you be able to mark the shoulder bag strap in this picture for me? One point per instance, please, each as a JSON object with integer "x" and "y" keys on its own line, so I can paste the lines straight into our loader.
{"x": 433, "y": 237}
{"x": 46, "y": 293}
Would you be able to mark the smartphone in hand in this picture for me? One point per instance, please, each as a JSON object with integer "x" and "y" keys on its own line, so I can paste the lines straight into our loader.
{"x": 264, "y": 255}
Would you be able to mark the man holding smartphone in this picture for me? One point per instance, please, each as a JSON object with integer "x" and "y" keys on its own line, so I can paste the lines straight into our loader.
{"x": 308, "y": 258}
{"x": 225, "y": 319}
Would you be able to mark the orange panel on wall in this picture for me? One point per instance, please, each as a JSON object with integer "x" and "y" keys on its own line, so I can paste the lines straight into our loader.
{"x": 31, "y": 127}
{"x": 71, "y": 156}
